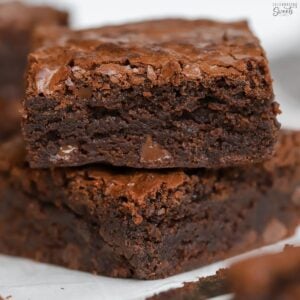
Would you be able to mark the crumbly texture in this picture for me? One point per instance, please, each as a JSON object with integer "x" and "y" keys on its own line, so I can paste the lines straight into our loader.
{"x": 203, "y": 288}
{"x": 146, "y": 224}
{"x": 17, "y": 22}
{"x": 155, "y": 94}
{"x": 268, "y": 277}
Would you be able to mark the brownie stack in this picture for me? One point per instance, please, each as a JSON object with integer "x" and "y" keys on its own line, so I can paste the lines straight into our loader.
{"x": 150, "y": 150}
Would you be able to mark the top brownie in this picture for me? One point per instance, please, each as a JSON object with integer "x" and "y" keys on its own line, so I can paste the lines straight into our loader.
{"x": 154, "y": 94}
{"x": 17, "y": 22}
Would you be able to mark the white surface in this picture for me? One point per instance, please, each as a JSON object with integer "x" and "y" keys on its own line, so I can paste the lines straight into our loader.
{"x": 280, "y": 36}
{"x": 23, "y": 279}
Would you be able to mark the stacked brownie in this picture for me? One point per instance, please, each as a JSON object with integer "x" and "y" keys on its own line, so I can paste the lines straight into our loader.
{"x": 151, "y": 148}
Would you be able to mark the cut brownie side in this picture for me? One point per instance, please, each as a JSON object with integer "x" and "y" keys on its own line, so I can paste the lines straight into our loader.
{"x": 144, "y": 224}
{"x": 17, "y": 21}
{"x": 268, "y": 277}
{"x": 156, "y": 94}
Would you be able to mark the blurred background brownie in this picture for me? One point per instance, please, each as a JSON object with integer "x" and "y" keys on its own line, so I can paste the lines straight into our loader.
{"x": 155, "y": 94}
{"x": 17, "y": 21}
{"x": 273, "y": 276}
{"x": 146, "y": 224}
{"x": 267, "y": 277}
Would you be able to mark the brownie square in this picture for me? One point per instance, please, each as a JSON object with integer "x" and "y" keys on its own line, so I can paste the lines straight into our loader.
{"x": 145, "y": 224}
{"x": 17, "y": 22}
{"x": 155, "y": 94}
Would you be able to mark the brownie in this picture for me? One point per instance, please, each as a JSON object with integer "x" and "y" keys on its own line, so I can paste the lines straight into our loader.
{"x": 10, "y": 117}
{"x": 17, "y": 21}
{"x": 155, "y": 94}
{"x": 268, "y": 277}
{"x": 142, "y": 223}
{"x": 203, "y": 288}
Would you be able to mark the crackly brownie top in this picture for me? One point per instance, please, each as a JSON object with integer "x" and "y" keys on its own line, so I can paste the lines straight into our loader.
{"x": 169, "y": 51}
{"x": 19, "y": 15}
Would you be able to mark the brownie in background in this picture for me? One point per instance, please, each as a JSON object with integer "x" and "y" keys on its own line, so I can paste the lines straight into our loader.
{"x": 267, "y": 277}
{"x": 10, "y": 120}
{"x": 17, "y": 21}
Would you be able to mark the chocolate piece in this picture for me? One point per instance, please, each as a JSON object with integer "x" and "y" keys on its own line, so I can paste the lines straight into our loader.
{"x": 146, "y": 224}
{"x": 156, "y": 94}
{"x": 203, "y": 288}
{"x": 267, "y": 277}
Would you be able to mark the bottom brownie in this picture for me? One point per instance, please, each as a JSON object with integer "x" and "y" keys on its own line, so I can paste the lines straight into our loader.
{"x": 268, "y": 277}
{"x": 145, "y": 224}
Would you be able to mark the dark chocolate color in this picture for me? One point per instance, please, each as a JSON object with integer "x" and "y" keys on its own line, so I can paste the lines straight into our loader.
{"x": 146, "y": 224}
{"x": 155, "y": 94}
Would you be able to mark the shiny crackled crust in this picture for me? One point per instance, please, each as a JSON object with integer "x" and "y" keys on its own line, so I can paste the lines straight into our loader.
{"x": 198, "y": 92}
{"x": 152, "y": 53}
{"x": 146, "y": 224}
